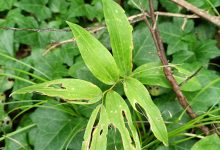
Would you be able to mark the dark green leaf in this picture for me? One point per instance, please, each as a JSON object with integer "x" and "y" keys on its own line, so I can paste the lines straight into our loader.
{"x": 211, "y": 142}
{"x": 144, "y": 48}
{"x": 55, "y": 126}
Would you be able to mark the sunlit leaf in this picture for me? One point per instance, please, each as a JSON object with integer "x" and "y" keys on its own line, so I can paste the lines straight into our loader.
{"x": 97, "y": 58}
{"x": 137, "y": 94}
{"x": 118, "y": 111}
{"x": 89, "y": 128}
{"x": 99, "y": 138}
{"x": 71, "y": 90}
{"x": 152, "y": 74}
{"x": 120, "y": 32}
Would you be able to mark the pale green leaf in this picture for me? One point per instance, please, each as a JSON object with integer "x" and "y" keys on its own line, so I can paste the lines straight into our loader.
{"x": 72, "y": 90}
{"x": 118, "y": 111}
{"x": 99, "y": 139}
{"x": 97, "y": 58}
{"x": 120, "y": 32}
{"x": 138, "y": 94}
{"x": 89, "y": 128}
{"x": 152, "y": 74}
{"x": 211, "y": 142}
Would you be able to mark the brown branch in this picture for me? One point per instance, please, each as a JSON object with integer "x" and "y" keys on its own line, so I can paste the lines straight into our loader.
{"x": 167, "y": 70}
{"x": 35, "y": 30}
{"x": 132, "y": 19}
{"x": 203, "y": 14}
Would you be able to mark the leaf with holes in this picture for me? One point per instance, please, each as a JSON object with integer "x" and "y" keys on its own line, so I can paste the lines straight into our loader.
{"x": 72, "y": 90}
{"x": 137, "y": 94}
{"x": 120, "y": 32}
{"x": 118, "y": 111}
{"x": 89, "y": 128}
{"x": 96, "y": 57}
{"x": 99, "y": 139}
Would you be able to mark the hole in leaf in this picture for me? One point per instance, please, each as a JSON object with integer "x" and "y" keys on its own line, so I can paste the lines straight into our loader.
{"x": 57, "y": 86}
{"x": 100, "y": 133}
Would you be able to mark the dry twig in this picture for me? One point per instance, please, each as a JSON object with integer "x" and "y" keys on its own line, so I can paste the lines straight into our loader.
{"x": 203, "y": 14}
{"x": 167, "y": 70}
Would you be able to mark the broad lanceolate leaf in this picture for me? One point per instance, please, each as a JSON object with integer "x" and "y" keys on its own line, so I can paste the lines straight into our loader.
{"x": 120, "y": 35}
{"x": 117, "y": 109}
{"x": 99, "y": 139}
{"x": 89, "y": 128}
{"x": 97, "y": 58}
{"x": 96, "y": 139}
{"x": 138, "y": 94}
{"x": 152, "y": 74}
{"x": 72, "y": 90}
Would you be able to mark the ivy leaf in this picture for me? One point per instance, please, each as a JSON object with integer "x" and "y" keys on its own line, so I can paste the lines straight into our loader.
{"x": 79, "y": 8}
{"x": 72, "y": 90}
{"x": 97, "y": 58}
{"x": 209, "y": 95}
{"x": 142, "y": 4}
{"x": 55, "y": 124}
{"x": 138, "y": 94}
{"x": 144, "y": 48}
{"x": 6, "y": 4}
{"x": 173, "y": 34}
{"x": 36, "y": 7}
{"x": 120, "y": 32}
{"x": 118, "y": 111}
{"x": 209, "y": 142}
{"x": 170, "y": 6}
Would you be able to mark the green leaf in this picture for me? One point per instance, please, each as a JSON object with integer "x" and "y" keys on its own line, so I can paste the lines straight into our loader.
{"x": 142, "y": 4}
{"x": 211, "y": 142}
{"x": 99, "y": 139}
{"x": 144, "y": 47}
{"x": 97, "y": 58}
{"x": 170, "y": 6}
{"x": 79, "y": 8}
{"x": 6, "y": 4}
{"x": 138, "y": 94}
{"x": 38, "y": 8}
{"x": 152, "y": 74}
{"x": 89, "y": 128}
{"x": 120, "y": 32}
{"x": 118, "y": 111}
{"x": 209, "y": 95}
{"x": 173, "y": 34}
{"x": 72, "y": 90}
{"x": 55, "y": 126}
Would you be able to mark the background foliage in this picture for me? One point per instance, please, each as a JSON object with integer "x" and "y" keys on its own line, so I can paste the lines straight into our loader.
{"x": 58, "y": 125}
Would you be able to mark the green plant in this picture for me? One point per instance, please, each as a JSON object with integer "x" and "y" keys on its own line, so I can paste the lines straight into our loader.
{"x": 112, "y": 71}
{"x": 41, "y": 122}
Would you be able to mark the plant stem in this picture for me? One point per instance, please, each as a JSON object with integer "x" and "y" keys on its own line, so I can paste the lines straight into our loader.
{"x": 167, "y": 70}
{"x": 202, "y": 13}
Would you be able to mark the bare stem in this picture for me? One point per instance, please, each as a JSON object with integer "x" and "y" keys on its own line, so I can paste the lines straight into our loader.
{"x": 167, "y": 70}
{"x": 203, "y": 14}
